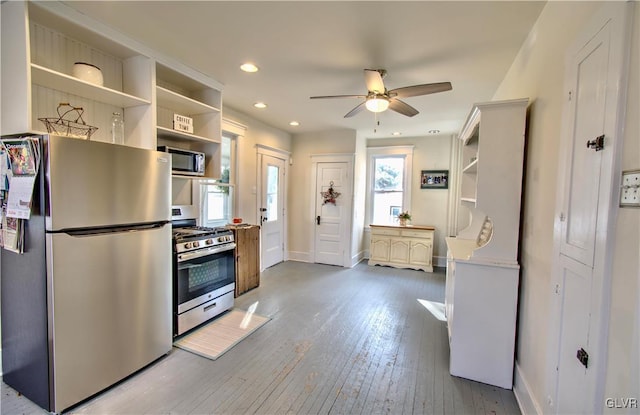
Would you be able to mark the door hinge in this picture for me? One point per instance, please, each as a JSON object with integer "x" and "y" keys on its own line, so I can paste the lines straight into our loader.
{"x": 557, "y": 289}
{"x": 570, "y": 92}
{"x": 583, "y": 357}
{"x": 597, "y": 143}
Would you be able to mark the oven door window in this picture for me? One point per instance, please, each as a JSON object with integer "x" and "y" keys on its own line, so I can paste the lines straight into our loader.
{"x": 199, "y": 276}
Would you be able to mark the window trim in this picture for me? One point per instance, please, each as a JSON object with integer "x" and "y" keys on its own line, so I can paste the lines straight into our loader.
{"x": 231, "y": 185}
{"x": 378, "y": 152}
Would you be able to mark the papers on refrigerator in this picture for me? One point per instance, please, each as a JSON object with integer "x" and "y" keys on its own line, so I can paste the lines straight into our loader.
{"x": 19, "y": 162}
{"x": 24, "y": 159}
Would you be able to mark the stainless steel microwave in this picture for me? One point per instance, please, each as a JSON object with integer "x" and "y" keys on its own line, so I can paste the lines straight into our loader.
{"x": 186, "y": 162}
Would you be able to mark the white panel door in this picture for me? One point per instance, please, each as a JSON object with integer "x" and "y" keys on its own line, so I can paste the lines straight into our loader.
{"x": 272, "y": 210}
{"x": 574, "y": 325}
{"x": 331, "y": 236}
{"x": 583, "y": 184}
{"x": 593, "y": 82}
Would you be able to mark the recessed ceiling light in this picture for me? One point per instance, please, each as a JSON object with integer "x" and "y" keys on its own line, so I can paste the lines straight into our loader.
{"x": 249, "y": 67}
{"x": 260, "y": 105}
{"x": 433, "y": 131}
{"x": 396, "y": 133}
{"x": 294, "y": 123}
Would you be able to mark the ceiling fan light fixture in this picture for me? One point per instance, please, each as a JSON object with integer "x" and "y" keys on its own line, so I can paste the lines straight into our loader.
{"x": 377, "y": 104}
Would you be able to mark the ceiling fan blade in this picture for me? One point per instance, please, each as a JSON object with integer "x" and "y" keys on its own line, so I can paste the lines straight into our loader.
{"x": 424, "y": 89}
{"x": 339, "y": 96}
{"x": 402, "y": 107}
{"x": 355, "y": 110}
{"x": 373, "y": 79}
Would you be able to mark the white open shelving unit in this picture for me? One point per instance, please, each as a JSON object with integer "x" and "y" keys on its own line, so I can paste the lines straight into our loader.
{"x": 481, "y": 294}
{"x": 146, "y": 87}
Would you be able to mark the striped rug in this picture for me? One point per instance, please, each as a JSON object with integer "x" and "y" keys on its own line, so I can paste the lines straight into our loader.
{"x": 214, "y": 339}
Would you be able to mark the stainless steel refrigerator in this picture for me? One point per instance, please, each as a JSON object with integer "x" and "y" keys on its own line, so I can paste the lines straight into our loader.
{"x": 89, "y": 301}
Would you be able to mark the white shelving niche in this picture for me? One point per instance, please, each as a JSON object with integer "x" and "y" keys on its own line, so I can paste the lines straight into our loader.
{"x": 180, "y": 94}
{"x": 47, "y": 38}
{"x": 37, "y": 65}
{"x": 483, "y": 273}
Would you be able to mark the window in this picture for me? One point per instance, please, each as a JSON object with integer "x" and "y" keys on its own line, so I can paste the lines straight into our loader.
{"x": 390, "y": 183}
{"x": 217, "y": 198}
{"x": 272, "y": 193}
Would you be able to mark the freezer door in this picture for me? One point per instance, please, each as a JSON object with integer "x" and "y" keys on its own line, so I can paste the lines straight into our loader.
{"x": 93, "y": 184}
{"x": 110, "y": 308}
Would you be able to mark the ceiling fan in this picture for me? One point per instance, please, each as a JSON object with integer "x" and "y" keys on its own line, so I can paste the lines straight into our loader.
{"x": 378, "y": 98}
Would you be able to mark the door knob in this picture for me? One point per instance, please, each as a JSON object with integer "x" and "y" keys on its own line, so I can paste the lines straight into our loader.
{"x": 318, "y": 219}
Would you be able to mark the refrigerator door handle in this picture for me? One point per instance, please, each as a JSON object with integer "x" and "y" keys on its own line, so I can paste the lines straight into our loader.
{"x": 111, "y": 229}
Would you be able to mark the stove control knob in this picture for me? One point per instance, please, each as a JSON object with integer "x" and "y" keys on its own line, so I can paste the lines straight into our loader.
{"x": 196, "y": 244}
{"x": 221, "y": 239}
{"x": 208, "y": 241}
{"x": 187, "y": 245}
{"x": 228, "y": 238}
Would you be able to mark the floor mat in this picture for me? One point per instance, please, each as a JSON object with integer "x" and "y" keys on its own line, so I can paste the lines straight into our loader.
{"x": 219, "y": 336}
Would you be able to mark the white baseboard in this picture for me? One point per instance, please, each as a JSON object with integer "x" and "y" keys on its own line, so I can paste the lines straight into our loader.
{"x": 299, "y": 256}
{"x": 356, "y": 259}
{"x": 526, "y": 401}
{"x": 439, "y": 261}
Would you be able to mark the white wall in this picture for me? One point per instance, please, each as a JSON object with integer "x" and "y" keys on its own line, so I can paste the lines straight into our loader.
{"x": 247, "y": 173}
{"x": 538, "y": 73}
{"x": 301, "y": 222}
{"x": 359, "y": 197}
{"x": 623, "y": 371}
{"x": 428, "y": 206}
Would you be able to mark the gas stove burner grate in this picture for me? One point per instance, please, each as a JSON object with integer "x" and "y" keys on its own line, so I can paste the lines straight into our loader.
{"x": 198, "y": 232}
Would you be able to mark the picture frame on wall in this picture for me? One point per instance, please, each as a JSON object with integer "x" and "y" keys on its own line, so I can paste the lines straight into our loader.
{"x": 434, "y": 179}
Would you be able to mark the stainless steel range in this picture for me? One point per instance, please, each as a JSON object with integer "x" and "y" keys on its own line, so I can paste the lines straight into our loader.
{"x": 203, "y": 274}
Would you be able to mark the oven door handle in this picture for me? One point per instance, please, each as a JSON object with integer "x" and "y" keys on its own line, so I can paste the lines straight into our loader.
{"x": 204, "y": 252}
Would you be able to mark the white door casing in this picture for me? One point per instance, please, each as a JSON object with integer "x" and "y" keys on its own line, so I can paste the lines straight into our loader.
{"x": 332, "y": 224}
{"x": 271, "y": 206}
{"x": 585, "y": 211}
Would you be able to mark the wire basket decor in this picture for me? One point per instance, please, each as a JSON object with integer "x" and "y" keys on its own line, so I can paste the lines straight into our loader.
{"x": 69, "y": 122}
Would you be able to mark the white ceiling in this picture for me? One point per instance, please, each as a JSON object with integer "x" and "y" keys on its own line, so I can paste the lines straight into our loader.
{"x": 310, "y": 48}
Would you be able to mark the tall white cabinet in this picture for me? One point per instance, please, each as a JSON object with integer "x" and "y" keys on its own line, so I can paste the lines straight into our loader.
{"x": 482, "y": 265}
{"x": 41, "y": 42}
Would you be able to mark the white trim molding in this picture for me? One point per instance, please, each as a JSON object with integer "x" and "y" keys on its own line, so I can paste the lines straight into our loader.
{"x": 233, "y": 127}
{"x": 526, "y": 400}
{"x": 273, "y": 152}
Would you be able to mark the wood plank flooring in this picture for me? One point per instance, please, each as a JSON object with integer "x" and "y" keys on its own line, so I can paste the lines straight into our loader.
{"x": 341, "y": 341}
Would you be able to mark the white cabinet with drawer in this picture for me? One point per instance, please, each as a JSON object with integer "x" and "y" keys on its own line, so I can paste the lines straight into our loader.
{"x": 402, "y": 246}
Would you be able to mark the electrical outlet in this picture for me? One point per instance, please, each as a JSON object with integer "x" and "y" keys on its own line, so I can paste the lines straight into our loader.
{"x": 630, "y": 189}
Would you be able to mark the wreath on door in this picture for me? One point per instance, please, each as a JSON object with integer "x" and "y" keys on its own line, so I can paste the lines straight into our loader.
{"x": 330, "y": 195}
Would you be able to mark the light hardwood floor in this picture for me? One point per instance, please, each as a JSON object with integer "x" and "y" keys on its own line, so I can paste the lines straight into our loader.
{"x": 341, "y": 341}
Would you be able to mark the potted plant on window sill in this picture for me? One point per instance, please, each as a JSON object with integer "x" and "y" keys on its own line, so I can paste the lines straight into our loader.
{"x": 403, "y": 218}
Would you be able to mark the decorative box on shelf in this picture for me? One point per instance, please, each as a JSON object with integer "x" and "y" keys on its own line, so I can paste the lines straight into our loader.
{"x": 182, "y": 123}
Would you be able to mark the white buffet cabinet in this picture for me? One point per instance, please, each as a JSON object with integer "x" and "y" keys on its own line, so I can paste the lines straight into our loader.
{"x": 481, "y": 297}
{"x": 402, "y": 246}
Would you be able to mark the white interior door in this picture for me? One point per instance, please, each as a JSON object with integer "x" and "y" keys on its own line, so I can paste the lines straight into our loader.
{"x": 331, "y": 231}
{"x": 272, "y": 207}
{"x": 580, "y": 270}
